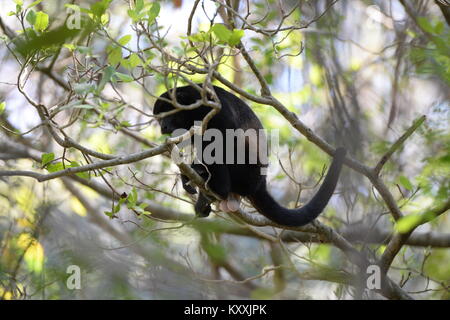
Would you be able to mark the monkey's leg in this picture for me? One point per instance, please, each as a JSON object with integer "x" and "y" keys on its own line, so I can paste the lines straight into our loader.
{"x": 219, "y": 180}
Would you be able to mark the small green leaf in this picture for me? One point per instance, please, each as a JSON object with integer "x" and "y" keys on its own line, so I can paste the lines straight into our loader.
{"x": 46, "y": 158}
{"x": 70, "y": 46}
{"x": 139, "y": 5}
{"x": 18, "y": 9}
{"x": 109, "y": 214}
{"x": 125, "y": 39}
{"x": 404, "y": 181}
{"x": 104, "y": 19}
{"x": 222, "y": 32}
{"x": 41, "y": 22}
{"x": 143, "y": 205}
{"x": 115, "y": 56}
{"x": 2, "y": 107}
{"x": 125, "y": 124}
{"x": 133, "y": 15}
{"x": 124, "y": 77}
{"x": 406, "y": 223}
{"x": 236, "y": 37}
{"x": 425, "y": 24}
{"x": 134, "y": 60}
{"x": 439, "y": 27}
{"x": 199, "y": 37}
{"x": 132, "y": 198}
{"x": 154, "y": 12}
{"x": 54, "y": 167}
{"x": 34, "y": 4}
{"x": 31, "y": 17}
{"x": 99, "y": 8}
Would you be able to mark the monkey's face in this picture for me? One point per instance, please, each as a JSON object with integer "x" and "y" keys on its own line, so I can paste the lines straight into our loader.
{"x": 169, "y": 124}
{"x": 182, "y": 119}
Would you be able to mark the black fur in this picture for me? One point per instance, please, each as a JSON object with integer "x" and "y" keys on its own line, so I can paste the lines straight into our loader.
{"x": 243, "y": 179}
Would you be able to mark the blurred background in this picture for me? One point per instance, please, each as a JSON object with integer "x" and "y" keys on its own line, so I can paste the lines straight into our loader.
{"x": 358, "y": 73}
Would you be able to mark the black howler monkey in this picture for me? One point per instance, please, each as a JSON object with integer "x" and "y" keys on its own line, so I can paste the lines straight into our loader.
{"x": 230, "y": 181}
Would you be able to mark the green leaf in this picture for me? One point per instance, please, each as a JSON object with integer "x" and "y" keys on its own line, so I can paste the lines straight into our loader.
{"x": 124, "y": 77}
{"x": 125, "y": 124}
{"x": 406, "y": 223}
{"x": 104, "y": 19}
{"x": 54, "y": 167}
{"x": 139, "y": 5}
{"x": 404, "y": 181}
{"x": 439, "y": 27}
{"x": 70, "y": 46}
{"x": 31, "y": 17}
{"x": 222, "y": 32}
{"x": 18, "y": 8}
{"x": 141, "y": 209}
{"x": 34, "y": 3}
{"x": 41, "y": 22}
{"x": 115, "y": 56}
{"x": 236, "y": 37}
{"x": 154, "y": 12}
{"x": 19, "y": 2}
{"x": 425, "y": 24}
{"x": 99, "y": 8}
{"x": 132, "y": 198}
{"x": 134, "y": 60}
{"x": 109, "y": 214}
{"x": 125, "y": 39}
{"x": 133, "y": 15}
{"x": 2, "y": 107}
{"x": 201, "y": 36}
{"x": 47, "y": 158}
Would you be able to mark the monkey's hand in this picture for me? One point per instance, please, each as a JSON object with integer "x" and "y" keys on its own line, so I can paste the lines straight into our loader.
{"x": 187, "y": 185}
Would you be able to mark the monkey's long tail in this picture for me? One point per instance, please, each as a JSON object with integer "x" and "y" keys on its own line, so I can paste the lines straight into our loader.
{"x": 267, "y": 206}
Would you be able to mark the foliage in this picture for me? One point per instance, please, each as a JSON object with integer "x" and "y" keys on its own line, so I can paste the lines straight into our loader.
{"x": 78, "y": 84}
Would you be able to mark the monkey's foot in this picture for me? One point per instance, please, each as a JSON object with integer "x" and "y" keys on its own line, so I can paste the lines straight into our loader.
{"x": 232, "y": 204}
{"x": 202, "y": 212}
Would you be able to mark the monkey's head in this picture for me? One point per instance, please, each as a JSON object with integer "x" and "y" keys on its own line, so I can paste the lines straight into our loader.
{"x": 183, "y": 119}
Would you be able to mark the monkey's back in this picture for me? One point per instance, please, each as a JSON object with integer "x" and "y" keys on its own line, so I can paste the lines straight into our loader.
{"x": 245, "y": 178}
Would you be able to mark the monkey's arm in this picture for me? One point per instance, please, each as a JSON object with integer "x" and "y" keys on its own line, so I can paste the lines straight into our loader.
{"x": 187, "y": 185}
{"x": 202, "y": 206}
